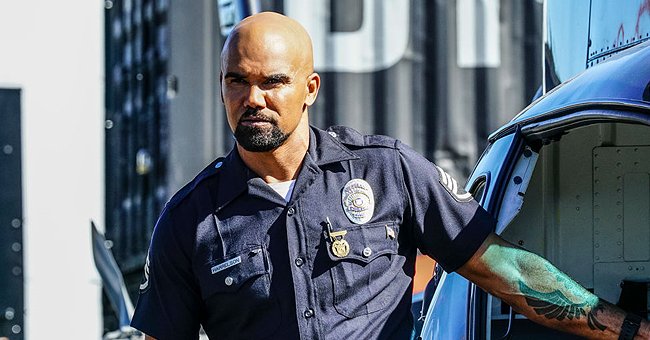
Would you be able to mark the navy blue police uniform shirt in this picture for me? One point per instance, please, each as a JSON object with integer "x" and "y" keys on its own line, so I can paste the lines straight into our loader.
{"x": 229, "y": 253}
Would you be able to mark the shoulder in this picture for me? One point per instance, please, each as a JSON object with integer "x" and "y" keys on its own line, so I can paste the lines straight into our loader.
{"x": 208, "y": 172}
{"x": 351, "y": 137}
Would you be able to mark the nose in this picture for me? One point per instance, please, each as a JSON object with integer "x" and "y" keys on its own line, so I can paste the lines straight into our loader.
{"x": 255, "y": 98}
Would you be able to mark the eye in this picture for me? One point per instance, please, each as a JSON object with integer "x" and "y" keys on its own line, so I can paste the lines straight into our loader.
{"x": 237, "y": 81}
{"x": 277, "y": 79}
{"x": 273, "y": 81}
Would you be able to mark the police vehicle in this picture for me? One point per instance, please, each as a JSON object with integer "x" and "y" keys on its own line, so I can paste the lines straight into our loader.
{"x": 569, "y": 177}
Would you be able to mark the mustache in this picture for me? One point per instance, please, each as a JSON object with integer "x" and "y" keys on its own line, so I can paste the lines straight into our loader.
{"x": 256, "y": 114}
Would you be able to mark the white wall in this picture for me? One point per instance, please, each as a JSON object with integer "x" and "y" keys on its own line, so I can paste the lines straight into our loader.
{"x": 53, "y": 51}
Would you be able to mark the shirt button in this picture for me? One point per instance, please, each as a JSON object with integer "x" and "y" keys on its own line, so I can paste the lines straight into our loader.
{"x": 291, "y": 211}
{"x": 299, "y": 262}
{"x": 229, "y": 281}
{"x": 367, "y": 252}
{"x": 309, "y": 313}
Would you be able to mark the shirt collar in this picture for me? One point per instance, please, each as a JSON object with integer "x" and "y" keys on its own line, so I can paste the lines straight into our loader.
{"x": 233, "y": 179}
{"x": 325, "y": 148}
{"x": 236, "y": 178}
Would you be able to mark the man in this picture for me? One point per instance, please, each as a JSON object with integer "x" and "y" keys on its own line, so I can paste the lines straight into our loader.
{"x": 302, "y": 233}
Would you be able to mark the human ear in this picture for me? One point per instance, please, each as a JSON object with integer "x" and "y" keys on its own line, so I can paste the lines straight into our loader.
{"x": 313, "y": 85}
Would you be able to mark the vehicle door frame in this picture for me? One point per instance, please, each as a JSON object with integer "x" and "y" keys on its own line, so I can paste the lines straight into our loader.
{"x": 535, "y": 133}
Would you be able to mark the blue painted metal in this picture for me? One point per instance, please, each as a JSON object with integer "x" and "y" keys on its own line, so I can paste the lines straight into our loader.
{"x": 584, "y": 33}
{"x": 447, "y": 315}
{"x": 621, "y": 82}
{"x": 616, "y": 25}
{"x": 566, "y": 41}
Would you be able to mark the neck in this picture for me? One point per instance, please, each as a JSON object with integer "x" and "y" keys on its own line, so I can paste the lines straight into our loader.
{"x": 283, "y": 163}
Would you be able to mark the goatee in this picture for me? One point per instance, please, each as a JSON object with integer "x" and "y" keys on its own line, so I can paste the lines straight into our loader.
{"x": 259, "y": 139}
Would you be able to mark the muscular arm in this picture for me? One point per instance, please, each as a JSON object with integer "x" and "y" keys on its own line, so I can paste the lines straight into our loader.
{"x": 538, "y": 290}
{"x": 146, "y": 337}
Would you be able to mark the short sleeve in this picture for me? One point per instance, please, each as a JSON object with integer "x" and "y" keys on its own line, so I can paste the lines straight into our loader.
{"x": 448, "y": 224}
{"x": 169, "y": 306}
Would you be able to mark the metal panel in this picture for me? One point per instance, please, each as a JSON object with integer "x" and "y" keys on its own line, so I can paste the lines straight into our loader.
{"x": 11, "y": 216}
{"x": 636, "y": 216}
{"x": 616, "y": 25}
{"x": 621, "y": 222}
{"x": 611, "y": 167}
{"x": 566, "y": 40}
{"x": 583, "y": 33}
{"x": 573, "y": 201}
{"x": 608, "y": 277}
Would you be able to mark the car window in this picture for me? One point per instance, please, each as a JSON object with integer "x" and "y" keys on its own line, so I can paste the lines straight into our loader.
{"x": 489, "y": 166}
{"x": 478, "y": 188}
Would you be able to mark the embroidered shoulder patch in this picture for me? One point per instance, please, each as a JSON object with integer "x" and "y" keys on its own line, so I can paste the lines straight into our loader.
{"x": 145, "y": 282}
{"x": 450, "y": 184}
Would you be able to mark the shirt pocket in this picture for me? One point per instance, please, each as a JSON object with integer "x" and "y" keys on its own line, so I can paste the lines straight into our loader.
{"x": 237, "y": 297}
{"x": 246, "y": 270}
{"x": 361, "y": 278}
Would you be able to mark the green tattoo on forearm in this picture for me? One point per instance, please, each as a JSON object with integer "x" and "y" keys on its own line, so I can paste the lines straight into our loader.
{"x": 555, "y": 305}
{"x": 558, "y": 304}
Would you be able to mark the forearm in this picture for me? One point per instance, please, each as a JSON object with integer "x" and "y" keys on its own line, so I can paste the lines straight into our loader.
{"x": 559, "y": 302}
{"x": 538, "y": 290}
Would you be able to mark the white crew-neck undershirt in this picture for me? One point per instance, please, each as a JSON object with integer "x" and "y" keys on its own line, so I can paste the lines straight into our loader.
{"x": 283, "y": 188}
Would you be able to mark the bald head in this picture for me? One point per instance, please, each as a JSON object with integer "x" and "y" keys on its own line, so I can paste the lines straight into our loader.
{"x": 270, "y": 33}
{"x": 268, "y": 83}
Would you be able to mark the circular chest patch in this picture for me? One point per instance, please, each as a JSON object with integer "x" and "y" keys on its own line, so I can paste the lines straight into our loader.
{"x": 358, "y": 201}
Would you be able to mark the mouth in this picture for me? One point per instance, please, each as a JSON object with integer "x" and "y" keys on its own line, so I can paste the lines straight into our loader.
{"x": 255, "y": 120}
